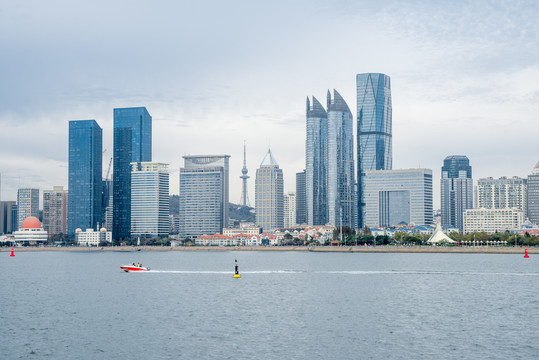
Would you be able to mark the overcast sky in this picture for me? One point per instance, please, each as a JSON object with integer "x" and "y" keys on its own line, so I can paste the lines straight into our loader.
{"x": 212, "y": 74}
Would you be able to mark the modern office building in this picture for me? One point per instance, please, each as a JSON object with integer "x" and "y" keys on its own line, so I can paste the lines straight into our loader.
{"x": 456, "y": 190}
{"x": 8, "y": 217}
{"x": 374, "y": 130}
{"x": 55, "y": 210}
{"x": 491, "y": 220}
{"x": 396, "y": 197}
{"x": 27, "y": 204}
{"x": 204, "y": 185}
{"x": 502, "y": 193}
{"x": 269, "y": 194}
{"x": 316, "y": 159}
{"x": 132, "y": 143}
{"x": 301, "y": 198}
{"x": 85, "y": 182}
{"x": 532, "y": 196}
{"x": 289, "y": 203}
{"x": 340, "y": 163}
{"x": 149, "y": 199}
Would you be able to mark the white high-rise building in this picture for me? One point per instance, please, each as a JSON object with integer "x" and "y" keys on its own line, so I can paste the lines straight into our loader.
{"x": 501, "y": 193}
{"x": 149, "y": 199}
{"x": 290, "y": 209}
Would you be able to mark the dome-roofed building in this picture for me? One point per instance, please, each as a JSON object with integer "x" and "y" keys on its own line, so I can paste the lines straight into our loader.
{"x": 31, "y": 231}
{"x": 91, "y": 237}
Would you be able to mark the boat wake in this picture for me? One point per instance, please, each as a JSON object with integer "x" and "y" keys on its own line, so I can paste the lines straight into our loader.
{"x": 346, "y": 272}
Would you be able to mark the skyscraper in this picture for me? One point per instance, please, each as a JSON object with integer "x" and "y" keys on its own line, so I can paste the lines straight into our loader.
{"x": 8, "y": 220}
{"x": 456, "y": 190}
{"x": 374, "y": 123}
{"x": 502, "y": 193}
{"x": 244, "y": 190}
{"x": 203, "y": 195}
{"x": 301, "y": 198}
{"x": 289, "y": 205}
{"x": 27, "y": 204}
{"x": 85, "y": 178}
{"x": 132, "y": 143}
{"x": 269, "y": 194}
{"x": 55, "y": 210}
{"x": 149, "y": 199}
{"x": 532, "y": 211}
{"x": 316, "y": 163}
{"x": 340, "y": 162}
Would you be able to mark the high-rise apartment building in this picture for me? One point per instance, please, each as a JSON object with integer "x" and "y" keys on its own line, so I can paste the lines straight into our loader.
{"x": 55, "y": 210}
{"x": 269, "y": 194}
{"x": 132, "y": 143}
{"x": 85, "y": 179}
{"x": 289, "y": 209}
{"x": 532, "y": 196}
{"x": 149, "y": 199}
{"x": 340, "y": 163}
{"x": 8, "y": 217}
{"x": 491, "y": 220}
{"x": 394, "y": 197}
{"x": 27, "y": 204}
{"x": 301, "y": 198}
{"x": 502, "y": 193}
{"x": 316, "y": 159}
{"x": 456, "y": 190}
{"x": 374, "y": 130}
{"x": 203, "y": 195}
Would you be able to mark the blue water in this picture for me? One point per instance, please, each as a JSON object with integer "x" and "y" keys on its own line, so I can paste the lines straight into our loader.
{"x": 287, "y": 305}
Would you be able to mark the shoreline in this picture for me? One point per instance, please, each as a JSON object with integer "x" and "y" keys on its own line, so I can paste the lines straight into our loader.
{"x": 329, "y": 249}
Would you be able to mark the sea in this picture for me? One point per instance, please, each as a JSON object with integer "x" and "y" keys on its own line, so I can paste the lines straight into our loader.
{"x": 287, "y": 305}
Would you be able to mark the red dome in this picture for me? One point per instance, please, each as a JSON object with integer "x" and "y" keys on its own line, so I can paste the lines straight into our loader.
{"x": 31, "y": 223}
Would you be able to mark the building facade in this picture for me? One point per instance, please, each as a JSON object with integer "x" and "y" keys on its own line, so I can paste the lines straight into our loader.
{"x": 289, "y": 203}
{"x": 55, "y": 210}
{"x": 491, "y": 220}
{"x": 456, "y": 190}
{"x": 204, "y": 182}
{"x": 340, "y": 163}
{"x": 532, "y": 196}
{"x": 8, "y": 217}
{"x": 502, "y": 193}
{"x": 301, "y": 198}
{"x": 397, "y": 197}
{"x": 90, "y": 237}
{"x": 132, "y": 143}
{"x": 316, "y": 152}
{"x": 269, "y": 194}
{"x": 85, "y": 179}
{"x": 374, "y": 130}
{"x": 31, "y": 232}
{"x": 27, "y": 204}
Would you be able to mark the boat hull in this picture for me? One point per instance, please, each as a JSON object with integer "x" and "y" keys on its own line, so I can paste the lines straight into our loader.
{"x": 129, "y": 268}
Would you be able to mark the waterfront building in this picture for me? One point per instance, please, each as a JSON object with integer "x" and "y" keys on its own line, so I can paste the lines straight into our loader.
{"x": 149, "y": 199}
{"x": 249, "y": 230}
{"x": 340, "y": 163}
{"x": 398, "y": 197}
{"x": 456, "y": 189}
{"x": 374, "y": 130}
{"x": 204, "y": 185}
{"x": 27, "y": 204}
{"x": 269, "y": 205}
{"x": 289, "y": 203}
{"x": 532, "y": 196}
{"x": 31, "y": 232}
{"x": 301, "y": 198}
{"x": 491, "y": 220}
{"x": 132, "y": 143}
{"x": 316, "y": 158}
{"x": 501, "y": 193}
{"x": 55, "y": 210}
{"x": 85, "y": 181}
{"x": 90, "y": 237}
{"x": 8, "y": 217}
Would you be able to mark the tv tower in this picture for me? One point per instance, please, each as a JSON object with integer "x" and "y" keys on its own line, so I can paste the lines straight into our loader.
{"x": 244, "y": 193}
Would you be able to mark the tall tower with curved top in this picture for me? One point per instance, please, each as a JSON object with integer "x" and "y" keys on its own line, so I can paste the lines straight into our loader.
{"x": 244, "y": 192}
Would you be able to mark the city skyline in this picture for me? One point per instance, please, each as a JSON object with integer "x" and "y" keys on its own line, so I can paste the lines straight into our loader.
{"x": 478, "y": 92}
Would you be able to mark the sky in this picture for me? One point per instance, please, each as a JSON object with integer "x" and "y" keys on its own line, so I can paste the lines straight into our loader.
{"x": 213, "y": 74}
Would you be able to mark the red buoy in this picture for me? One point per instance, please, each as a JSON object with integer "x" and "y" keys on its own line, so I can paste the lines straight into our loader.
{"x": 526, "y": 253}
{"x": 12, "y": 253}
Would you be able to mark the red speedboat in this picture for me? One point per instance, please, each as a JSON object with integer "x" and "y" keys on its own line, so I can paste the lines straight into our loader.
{"x": 134, "y": 267}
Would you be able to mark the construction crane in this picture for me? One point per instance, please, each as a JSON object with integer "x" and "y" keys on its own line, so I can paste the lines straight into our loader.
{"x": 108, "y": 170}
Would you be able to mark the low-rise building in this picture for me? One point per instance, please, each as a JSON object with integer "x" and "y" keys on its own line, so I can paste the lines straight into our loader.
{"x": 90, "y": 237}
{"x": 249, "y": 230}
{"x": 31, "y": 232}
{"x": 492, "y": 220}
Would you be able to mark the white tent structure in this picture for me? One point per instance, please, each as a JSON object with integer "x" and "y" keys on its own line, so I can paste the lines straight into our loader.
{"x": 439, "y": 237}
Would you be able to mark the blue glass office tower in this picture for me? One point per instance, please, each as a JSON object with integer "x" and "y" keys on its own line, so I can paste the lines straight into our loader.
{"x": 340, "y": 162}
{"x": 374, "y": 120}
{"x": 316, "y": 164}
{"x": 85, "y": 175}
{"x": 456, "y": 190}
{"x": 132, "y": 143}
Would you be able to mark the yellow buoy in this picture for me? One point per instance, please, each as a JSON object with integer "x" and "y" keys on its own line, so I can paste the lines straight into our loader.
{"x": 237, "y": 275}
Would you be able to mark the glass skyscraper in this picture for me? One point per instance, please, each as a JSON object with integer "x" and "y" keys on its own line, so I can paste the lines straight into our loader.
{"x": 316, "y": 163}
{"x": 132, "y": 143}
{"x": 374, "y": 122}
{"x": 269, "y": 193}
{"x": 85, "y": 175}
{"x": 340, "y": 162}
{"x": 203, "y": 195}
{"x": 456, "y": 190}
{"x": 301, "y": 198}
